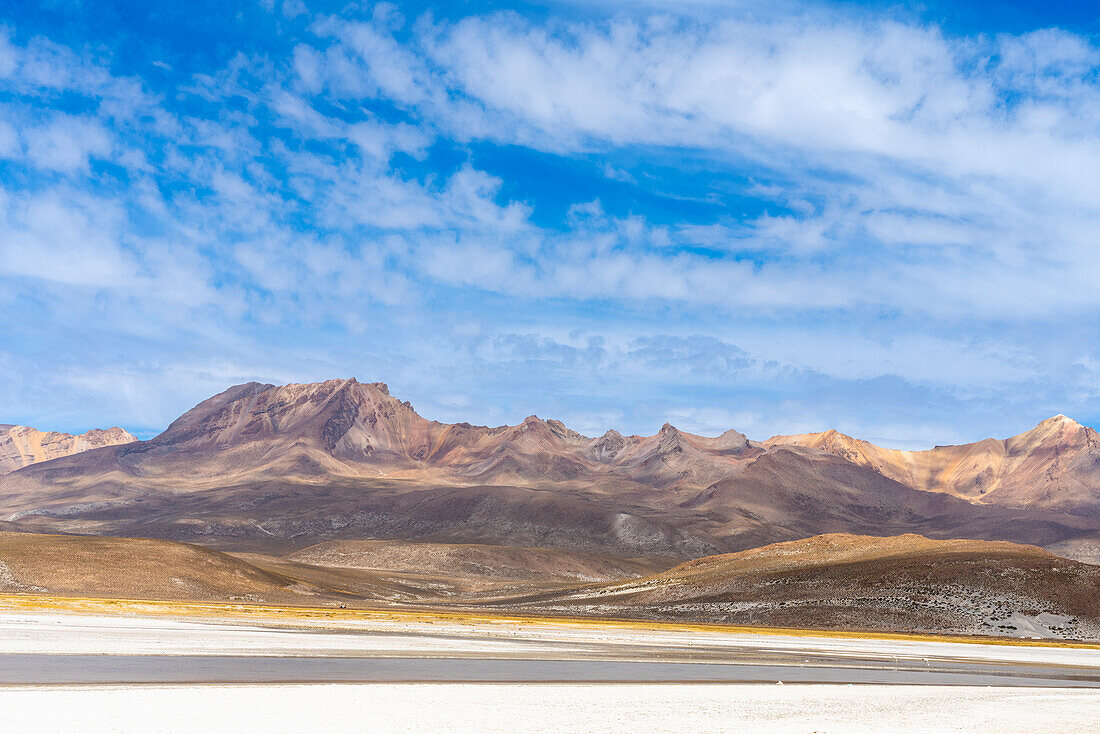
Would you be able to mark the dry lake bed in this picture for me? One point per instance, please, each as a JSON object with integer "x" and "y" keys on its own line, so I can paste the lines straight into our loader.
{"x": 62, "y": 671}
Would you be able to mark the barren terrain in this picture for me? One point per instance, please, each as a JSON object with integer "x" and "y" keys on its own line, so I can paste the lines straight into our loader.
{"x": 135, "y": 568}
{"x": 859, "y": 582}
{"x": 842, "y": 582}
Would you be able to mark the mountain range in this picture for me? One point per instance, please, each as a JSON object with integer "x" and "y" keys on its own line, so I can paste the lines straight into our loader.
{"x": 262, "y": 467}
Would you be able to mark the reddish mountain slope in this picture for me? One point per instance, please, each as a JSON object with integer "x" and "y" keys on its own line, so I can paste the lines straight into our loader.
{"x": 349, "y": 429}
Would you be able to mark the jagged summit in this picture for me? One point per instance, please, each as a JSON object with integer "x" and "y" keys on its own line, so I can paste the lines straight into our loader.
{"x": 1055, "y": 424}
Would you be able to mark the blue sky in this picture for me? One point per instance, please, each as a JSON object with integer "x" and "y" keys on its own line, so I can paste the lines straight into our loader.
{"x": 877, "y": 217}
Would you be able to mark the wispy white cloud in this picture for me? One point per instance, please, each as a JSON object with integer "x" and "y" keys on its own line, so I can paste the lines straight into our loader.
{"x": 981, "y": 151}
{"x": 891, "y": 211}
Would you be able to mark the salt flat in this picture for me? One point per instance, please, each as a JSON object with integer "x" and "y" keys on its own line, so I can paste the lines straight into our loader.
{"x": 220, "y": 655}
{"x": 427, "y": 708}
{"x": 67, "y": 648}
{"x": 40, "y": 632}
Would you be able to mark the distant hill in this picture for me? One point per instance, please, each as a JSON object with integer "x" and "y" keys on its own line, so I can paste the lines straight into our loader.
{"x": 22, "y": 446}
{"x": 129, "y": 568}
{"x": 855, "y": 582}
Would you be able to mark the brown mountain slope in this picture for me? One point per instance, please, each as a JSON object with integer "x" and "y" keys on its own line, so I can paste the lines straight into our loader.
{"x": 129, "y": 568}
{"x": 1056, "y": 465}
{"x": 786, "y": 494}
{"x": 280, "y": 516}
{"x": 472, "y": 560}
{"x": 842, "y": 581}
{"x": 272, "y": 468}
{"x": 22, "y": 446}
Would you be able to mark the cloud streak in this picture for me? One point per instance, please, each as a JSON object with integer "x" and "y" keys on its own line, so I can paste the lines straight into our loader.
{"x": 866, "y": 205}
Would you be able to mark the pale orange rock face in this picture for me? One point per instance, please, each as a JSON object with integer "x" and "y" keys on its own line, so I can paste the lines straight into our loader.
{"x": 22, "y": 445}
{"x": 1055, "y": 465}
